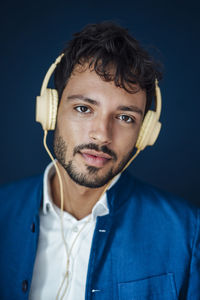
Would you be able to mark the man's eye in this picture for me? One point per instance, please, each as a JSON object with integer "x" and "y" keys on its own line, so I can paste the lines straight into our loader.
{"x": 82, "y": 109}
{"x": 126, "y": 118}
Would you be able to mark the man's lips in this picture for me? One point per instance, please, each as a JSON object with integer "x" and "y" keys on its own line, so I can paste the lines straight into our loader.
{"x": 96, "y": 153}
{"x": 95, "y": 158}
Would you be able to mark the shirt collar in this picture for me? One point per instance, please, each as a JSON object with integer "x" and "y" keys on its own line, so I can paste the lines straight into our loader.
{"x": 47, "y": 197}
{"x": 99, "y": 209}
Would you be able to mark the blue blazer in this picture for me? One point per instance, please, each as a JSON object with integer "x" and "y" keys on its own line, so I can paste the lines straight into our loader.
{"x": 147, "y": 248}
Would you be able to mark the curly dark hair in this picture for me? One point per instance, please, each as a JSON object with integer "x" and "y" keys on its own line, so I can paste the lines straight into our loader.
{"x": 114, "y": 55}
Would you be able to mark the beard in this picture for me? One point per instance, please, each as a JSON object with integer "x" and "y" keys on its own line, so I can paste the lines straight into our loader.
{"x": 90, "y": 178}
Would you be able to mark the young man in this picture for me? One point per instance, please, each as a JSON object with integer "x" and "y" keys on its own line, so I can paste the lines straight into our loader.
{"x": 130, "y": 242}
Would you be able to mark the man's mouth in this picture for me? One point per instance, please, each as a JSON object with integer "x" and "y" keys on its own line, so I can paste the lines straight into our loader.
{"x": 95, "y": 158}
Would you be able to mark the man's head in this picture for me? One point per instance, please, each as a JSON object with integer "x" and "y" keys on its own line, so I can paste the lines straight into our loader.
{"x": 114, "y": 55}
{"x": 105, "y": 82}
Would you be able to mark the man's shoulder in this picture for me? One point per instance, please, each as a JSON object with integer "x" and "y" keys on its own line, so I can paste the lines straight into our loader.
{"x": 150, "y": 196}
{"x": 20, "y": 186}
{"x": 148, "y": 207}
{"x": 20, "y": 192}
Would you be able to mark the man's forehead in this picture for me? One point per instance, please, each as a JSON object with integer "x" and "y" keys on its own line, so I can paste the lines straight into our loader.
{"x": 86, "y": 83}
{"x": 108, "y": 77}
{"x": 106, "y": 73}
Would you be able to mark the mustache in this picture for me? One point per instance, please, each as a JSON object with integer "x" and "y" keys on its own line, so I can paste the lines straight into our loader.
{"x": 95, "y": 147}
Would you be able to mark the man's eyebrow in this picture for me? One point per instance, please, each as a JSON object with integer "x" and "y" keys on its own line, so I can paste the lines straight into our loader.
{"x": 130, "y": 108}
{"x": 95, "y": 102}
{"x": 83, "y": 98}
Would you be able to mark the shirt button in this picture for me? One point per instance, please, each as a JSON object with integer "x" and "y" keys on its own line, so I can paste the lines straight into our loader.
{"x": 24, "y": 286}
{"x": 75, "y": 229}
{"x": 33, "y": 227}
{"x": 48, "y": 207}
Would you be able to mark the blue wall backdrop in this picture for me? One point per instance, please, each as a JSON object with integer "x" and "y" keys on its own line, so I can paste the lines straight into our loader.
{"x": 33, "y": 34}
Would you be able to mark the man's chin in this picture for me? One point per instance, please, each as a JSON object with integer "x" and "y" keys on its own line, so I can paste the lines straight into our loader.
{"x": 88, "y": 182}
{"x": 93, "y": 178}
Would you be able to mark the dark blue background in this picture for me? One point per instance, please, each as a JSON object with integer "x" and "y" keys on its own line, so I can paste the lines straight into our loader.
{"x": 33, "y": 34}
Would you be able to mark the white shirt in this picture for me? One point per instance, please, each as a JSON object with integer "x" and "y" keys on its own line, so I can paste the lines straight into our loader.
{"x": 51, "y": 258}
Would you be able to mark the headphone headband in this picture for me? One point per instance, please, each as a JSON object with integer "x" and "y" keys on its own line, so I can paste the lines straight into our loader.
{"x": 49, "y": 73}
{"x": 158, "y": 99}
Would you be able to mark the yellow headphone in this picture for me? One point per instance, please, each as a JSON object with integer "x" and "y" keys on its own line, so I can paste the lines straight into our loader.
{"x": 47, "y": 104}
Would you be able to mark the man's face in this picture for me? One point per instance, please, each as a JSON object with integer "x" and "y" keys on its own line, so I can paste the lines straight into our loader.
{"x": 97, "y": 128}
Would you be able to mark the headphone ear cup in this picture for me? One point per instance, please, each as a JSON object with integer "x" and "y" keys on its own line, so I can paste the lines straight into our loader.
{"x": 46, "y": 109}
{"x": 154, "y": 135}
{"x": 149, "y": 131}
{"x": 54, "y": 108}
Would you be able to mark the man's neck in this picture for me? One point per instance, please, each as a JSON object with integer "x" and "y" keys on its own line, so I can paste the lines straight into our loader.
{"x": 78, "y": 200}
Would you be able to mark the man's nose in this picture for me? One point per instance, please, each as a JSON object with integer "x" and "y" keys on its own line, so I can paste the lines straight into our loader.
{"x": 101, "y": 131}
